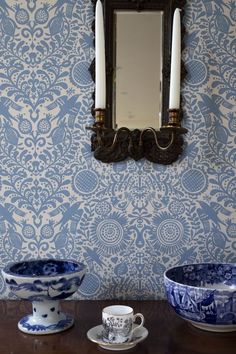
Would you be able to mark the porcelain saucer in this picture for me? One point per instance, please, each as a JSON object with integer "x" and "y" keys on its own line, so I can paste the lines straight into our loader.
{"x": 95, "y": 335}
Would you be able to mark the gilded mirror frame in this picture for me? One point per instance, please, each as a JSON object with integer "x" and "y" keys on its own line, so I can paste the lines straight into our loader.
{"x": 159, "y": 146}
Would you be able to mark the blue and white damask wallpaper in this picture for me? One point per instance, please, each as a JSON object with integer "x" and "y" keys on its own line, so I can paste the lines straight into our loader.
{"x": 128, "y": 221}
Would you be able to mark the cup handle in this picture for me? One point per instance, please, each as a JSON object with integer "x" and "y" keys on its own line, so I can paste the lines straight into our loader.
{"x": 142, "y": 321}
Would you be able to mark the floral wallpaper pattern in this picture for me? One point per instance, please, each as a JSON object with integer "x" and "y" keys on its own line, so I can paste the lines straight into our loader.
{"x": 128, "y": 221}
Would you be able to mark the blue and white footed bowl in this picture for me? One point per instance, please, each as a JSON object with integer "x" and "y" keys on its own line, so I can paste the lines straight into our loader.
{"x": 44, "y": 282}
{"x": 204, "y": 294}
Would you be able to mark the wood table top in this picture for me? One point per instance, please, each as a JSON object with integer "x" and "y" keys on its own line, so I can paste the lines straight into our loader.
{"x": 168, "y": 334}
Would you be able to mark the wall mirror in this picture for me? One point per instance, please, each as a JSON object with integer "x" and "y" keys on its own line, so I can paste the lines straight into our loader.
{"x": 136, "y": 122}
{"x": 137, "y": 69}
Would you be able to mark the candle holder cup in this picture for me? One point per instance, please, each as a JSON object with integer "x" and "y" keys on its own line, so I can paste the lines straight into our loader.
{"x": 99, "y": 116}
{"x": 174, "y": 122}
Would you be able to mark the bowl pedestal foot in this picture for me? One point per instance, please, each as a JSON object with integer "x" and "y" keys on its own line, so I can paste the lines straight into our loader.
{"x": 214, "y": 328}
{"x": 47, "y": 318}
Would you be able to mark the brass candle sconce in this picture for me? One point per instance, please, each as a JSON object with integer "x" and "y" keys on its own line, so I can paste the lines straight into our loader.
{"x": 163, "y": 146}
{"x": 111, "y": 144}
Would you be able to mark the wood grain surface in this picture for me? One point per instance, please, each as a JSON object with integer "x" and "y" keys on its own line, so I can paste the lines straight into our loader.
{"x": 168, "y": 334}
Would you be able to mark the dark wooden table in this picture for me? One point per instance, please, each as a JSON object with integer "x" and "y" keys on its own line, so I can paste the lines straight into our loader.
{"x": 168, "y": 334}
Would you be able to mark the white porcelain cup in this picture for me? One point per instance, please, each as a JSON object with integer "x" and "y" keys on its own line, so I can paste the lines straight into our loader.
{"x": 118, "y": 323}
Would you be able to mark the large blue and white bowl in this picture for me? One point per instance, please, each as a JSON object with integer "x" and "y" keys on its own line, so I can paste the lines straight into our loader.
{"x": 204, "y": 294}
{"x": 44, "y": 282}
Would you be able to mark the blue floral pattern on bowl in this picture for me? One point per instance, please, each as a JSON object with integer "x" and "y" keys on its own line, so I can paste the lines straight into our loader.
{"x": 38, "y": 280}
{"x": 44, "y": 282}
{"x": 204, "y": 294}
{"x": 42, "y": 267}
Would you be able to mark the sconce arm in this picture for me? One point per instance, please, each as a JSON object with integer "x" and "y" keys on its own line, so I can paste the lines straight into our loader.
{"x": 163, "y": 146}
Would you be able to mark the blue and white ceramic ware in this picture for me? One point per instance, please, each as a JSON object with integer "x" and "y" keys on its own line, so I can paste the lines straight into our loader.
{"x": 204, "y": 294}
{"x": 44, "y": 282}
{"x": 118, "y": 323}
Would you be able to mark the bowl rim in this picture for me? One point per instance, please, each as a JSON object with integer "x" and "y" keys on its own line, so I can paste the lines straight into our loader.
{"x": 198, "y": 287}
{"x": 6, "y": 270}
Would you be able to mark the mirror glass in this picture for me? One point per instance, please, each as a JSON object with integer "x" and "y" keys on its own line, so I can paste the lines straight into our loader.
{"x": 137, "y": 80}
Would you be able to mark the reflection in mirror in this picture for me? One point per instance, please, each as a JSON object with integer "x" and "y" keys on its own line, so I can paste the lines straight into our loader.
{"x": 137, "y": 91}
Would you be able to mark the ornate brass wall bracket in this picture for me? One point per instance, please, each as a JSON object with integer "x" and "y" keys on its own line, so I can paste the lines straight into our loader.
{"x": 162, "y": 146}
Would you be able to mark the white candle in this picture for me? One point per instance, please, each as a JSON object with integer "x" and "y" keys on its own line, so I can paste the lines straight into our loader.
{"x": 100, "y": 76}
{"x": 174, "y": 99}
